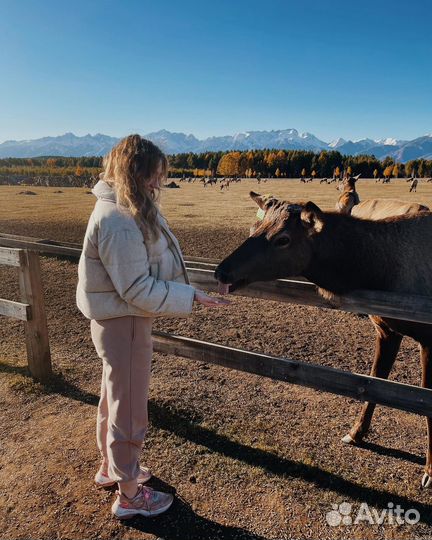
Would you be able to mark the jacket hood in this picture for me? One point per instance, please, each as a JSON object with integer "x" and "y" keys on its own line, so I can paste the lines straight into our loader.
{"x": 104, "y": 191}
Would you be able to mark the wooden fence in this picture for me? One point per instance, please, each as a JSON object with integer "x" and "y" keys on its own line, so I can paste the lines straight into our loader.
{"x": 299, "y": 291}
{"x": 31, "y": 309}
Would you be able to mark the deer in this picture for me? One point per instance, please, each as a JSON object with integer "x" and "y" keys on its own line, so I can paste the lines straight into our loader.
{"x": 349, "y": 196}
{"x": 413, "y": 185}
{"x": 341, "y": 253}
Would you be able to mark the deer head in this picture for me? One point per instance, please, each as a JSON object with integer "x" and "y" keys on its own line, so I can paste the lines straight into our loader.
{"x": 280, "y": 245}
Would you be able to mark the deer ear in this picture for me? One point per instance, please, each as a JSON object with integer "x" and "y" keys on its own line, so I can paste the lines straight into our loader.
{"x": 312, "y": 218}
{"x": 258, "y": 199}
{"x": 263, "y": 201}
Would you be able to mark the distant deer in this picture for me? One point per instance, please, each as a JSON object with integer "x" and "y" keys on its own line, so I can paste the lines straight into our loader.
{"x": 413, "y": 186}
{"x": 349, "y": 197}
{"x": 225, "y": 183}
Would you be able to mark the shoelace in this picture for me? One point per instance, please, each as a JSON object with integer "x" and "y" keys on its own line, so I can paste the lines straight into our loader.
{"x": 143, "y": 491}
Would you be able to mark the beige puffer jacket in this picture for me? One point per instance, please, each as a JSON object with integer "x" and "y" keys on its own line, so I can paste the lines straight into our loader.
{"x": 119, "y": 274}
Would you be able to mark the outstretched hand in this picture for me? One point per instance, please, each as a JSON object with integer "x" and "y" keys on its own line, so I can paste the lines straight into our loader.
{"x": 209, "y": 301}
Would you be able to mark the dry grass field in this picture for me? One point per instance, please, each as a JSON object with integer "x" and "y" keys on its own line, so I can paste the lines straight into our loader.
{"x": 248, "y": 458}
{"x": 192, "y": 207}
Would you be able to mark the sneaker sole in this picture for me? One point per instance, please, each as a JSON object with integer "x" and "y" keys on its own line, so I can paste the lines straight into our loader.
{"x": 144, "y": 513}
{"x": 106, "y": 485}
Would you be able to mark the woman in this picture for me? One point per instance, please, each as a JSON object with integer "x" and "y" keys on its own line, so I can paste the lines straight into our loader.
{"x": 131, "y": 270}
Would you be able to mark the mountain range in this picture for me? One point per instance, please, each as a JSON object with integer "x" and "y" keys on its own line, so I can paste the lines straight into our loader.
{"x": 174, "y": 143}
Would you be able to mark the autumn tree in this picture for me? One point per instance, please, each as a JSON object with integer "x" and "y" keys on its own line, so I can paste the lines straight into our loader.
{"x": 410, "y": 167}
{"x": 271, "y": 161}
{"x": 388, "y": 171}
{"x": 211, "y": 165}
{"x": 250, "y": 159}
{"x": 191, "y": 162}
{"x": 422, "y": 169}
{"x": 232, "y": 164}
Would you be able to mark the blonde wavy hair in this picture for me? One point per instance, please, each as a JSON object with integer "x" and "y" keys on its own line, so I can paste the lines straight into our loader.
{"x": 131, "y": 168}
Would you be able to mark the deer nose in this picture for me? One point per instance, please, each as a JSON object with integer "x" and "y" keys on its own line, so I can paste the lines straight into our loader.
{"x": 221, "y": 275}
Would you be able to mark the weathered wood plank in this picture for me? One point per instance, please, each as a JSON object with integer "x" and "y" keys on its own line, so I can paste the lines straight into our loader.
{"x": 36, "y": 331}
{"x": 16, "y": 310}
{"x": 298, "y": 290}
{"x": 361, "y": 387}
{"x": 397, "y": 306}
{"x": 19, "y": 237}
{"x": 205, "y": 260}
{"x": 48, "y": 248}
{"x": 9, "y": 256}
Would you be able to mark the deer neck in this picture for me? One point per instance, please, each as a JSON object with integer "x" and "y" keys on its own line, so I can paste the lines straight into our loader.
{"x": 347, "y": 255}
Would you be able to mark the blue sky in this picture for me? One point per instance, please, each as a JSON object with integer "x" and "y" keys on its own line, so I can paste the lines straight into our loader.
{"x": 340, "y": 68}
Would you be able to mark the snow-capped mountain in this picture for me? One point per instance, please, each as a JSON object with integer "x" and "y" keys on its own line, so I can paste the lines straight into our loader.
{"x": 389, "y": 141}
{"x": 174, "y": 143}
{"x": 420, "y": 147}
{"x": 400, "y": 150}
{"x": 337, "y": 142}
{"x": 276, "y": 139}
{"x": 64, "y": 145}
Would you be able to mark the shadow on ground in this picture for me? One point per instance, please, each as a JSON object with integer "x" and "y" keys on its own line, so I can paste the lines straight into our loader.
{"x": 182, "y": 521}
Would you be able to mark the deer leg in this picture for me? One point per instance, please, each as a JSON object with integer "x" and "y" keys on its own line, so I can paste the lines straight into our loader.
{"x": 386, "y": 348}
{"x": 426, "y": 364}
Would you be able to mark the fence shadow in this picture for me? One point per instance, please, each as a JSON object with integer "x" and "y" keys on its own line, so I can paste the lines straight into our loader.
{"x": 184, "y": 424}
{"x": 57, "y": 384}
{"x": 396, "y": 453}
{"x": 180, "y": 423}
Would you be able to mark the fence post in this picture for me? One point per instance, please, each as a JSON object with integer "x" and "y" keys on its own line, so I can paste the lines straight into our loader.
{"x": 36, "y": 330}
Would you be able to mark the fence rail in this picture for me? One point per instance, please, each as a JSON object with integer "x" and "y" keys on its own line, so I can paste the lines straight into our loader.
{"x": 16, "y": 310}
{"x": 299, "y": 291}
{"x": 361, "y": 387}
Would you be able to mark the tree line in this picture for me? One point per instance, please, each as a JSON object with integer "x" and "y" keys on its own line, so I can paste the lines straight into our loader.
{"x": 250, "y": 163}
{"x": 294, "y": 164}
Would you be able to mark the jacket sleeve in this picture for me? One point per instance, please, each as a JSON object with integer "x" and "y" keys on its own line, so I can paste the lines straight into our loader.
{"x": 124, "y": 256}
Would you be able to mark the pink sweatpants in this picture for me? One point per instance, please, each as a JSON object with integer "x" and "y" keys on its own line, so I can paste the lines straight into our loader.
{"x": 125, "y": 347}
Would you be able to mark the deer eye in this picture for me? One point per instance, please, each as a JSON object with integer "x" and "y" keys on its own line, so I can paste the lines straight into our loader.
{"x": 282, "y": 241}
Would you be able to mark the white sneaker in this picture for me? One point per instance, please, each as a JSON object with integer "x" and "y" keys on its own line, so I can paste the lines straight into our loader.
{"x": 147, "y": 502}
{"x": 102, "y": 480}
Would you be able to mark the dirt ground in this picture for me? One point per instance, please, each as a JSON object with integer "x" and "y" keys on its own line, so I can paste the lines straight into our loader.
{"x": 247, "y": 457}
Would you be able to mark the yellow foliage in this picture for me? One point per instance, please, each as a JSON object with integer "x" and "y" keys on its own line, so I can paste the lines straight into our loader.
{"x": 232, "y": 164}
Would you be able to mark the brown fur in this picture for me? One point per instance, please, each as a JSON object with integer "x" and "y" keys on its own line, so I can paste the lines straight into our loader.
{"x": 349, "y": 197}
{"x": 382, "y": 208}
{"x": 341, "y": 253}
